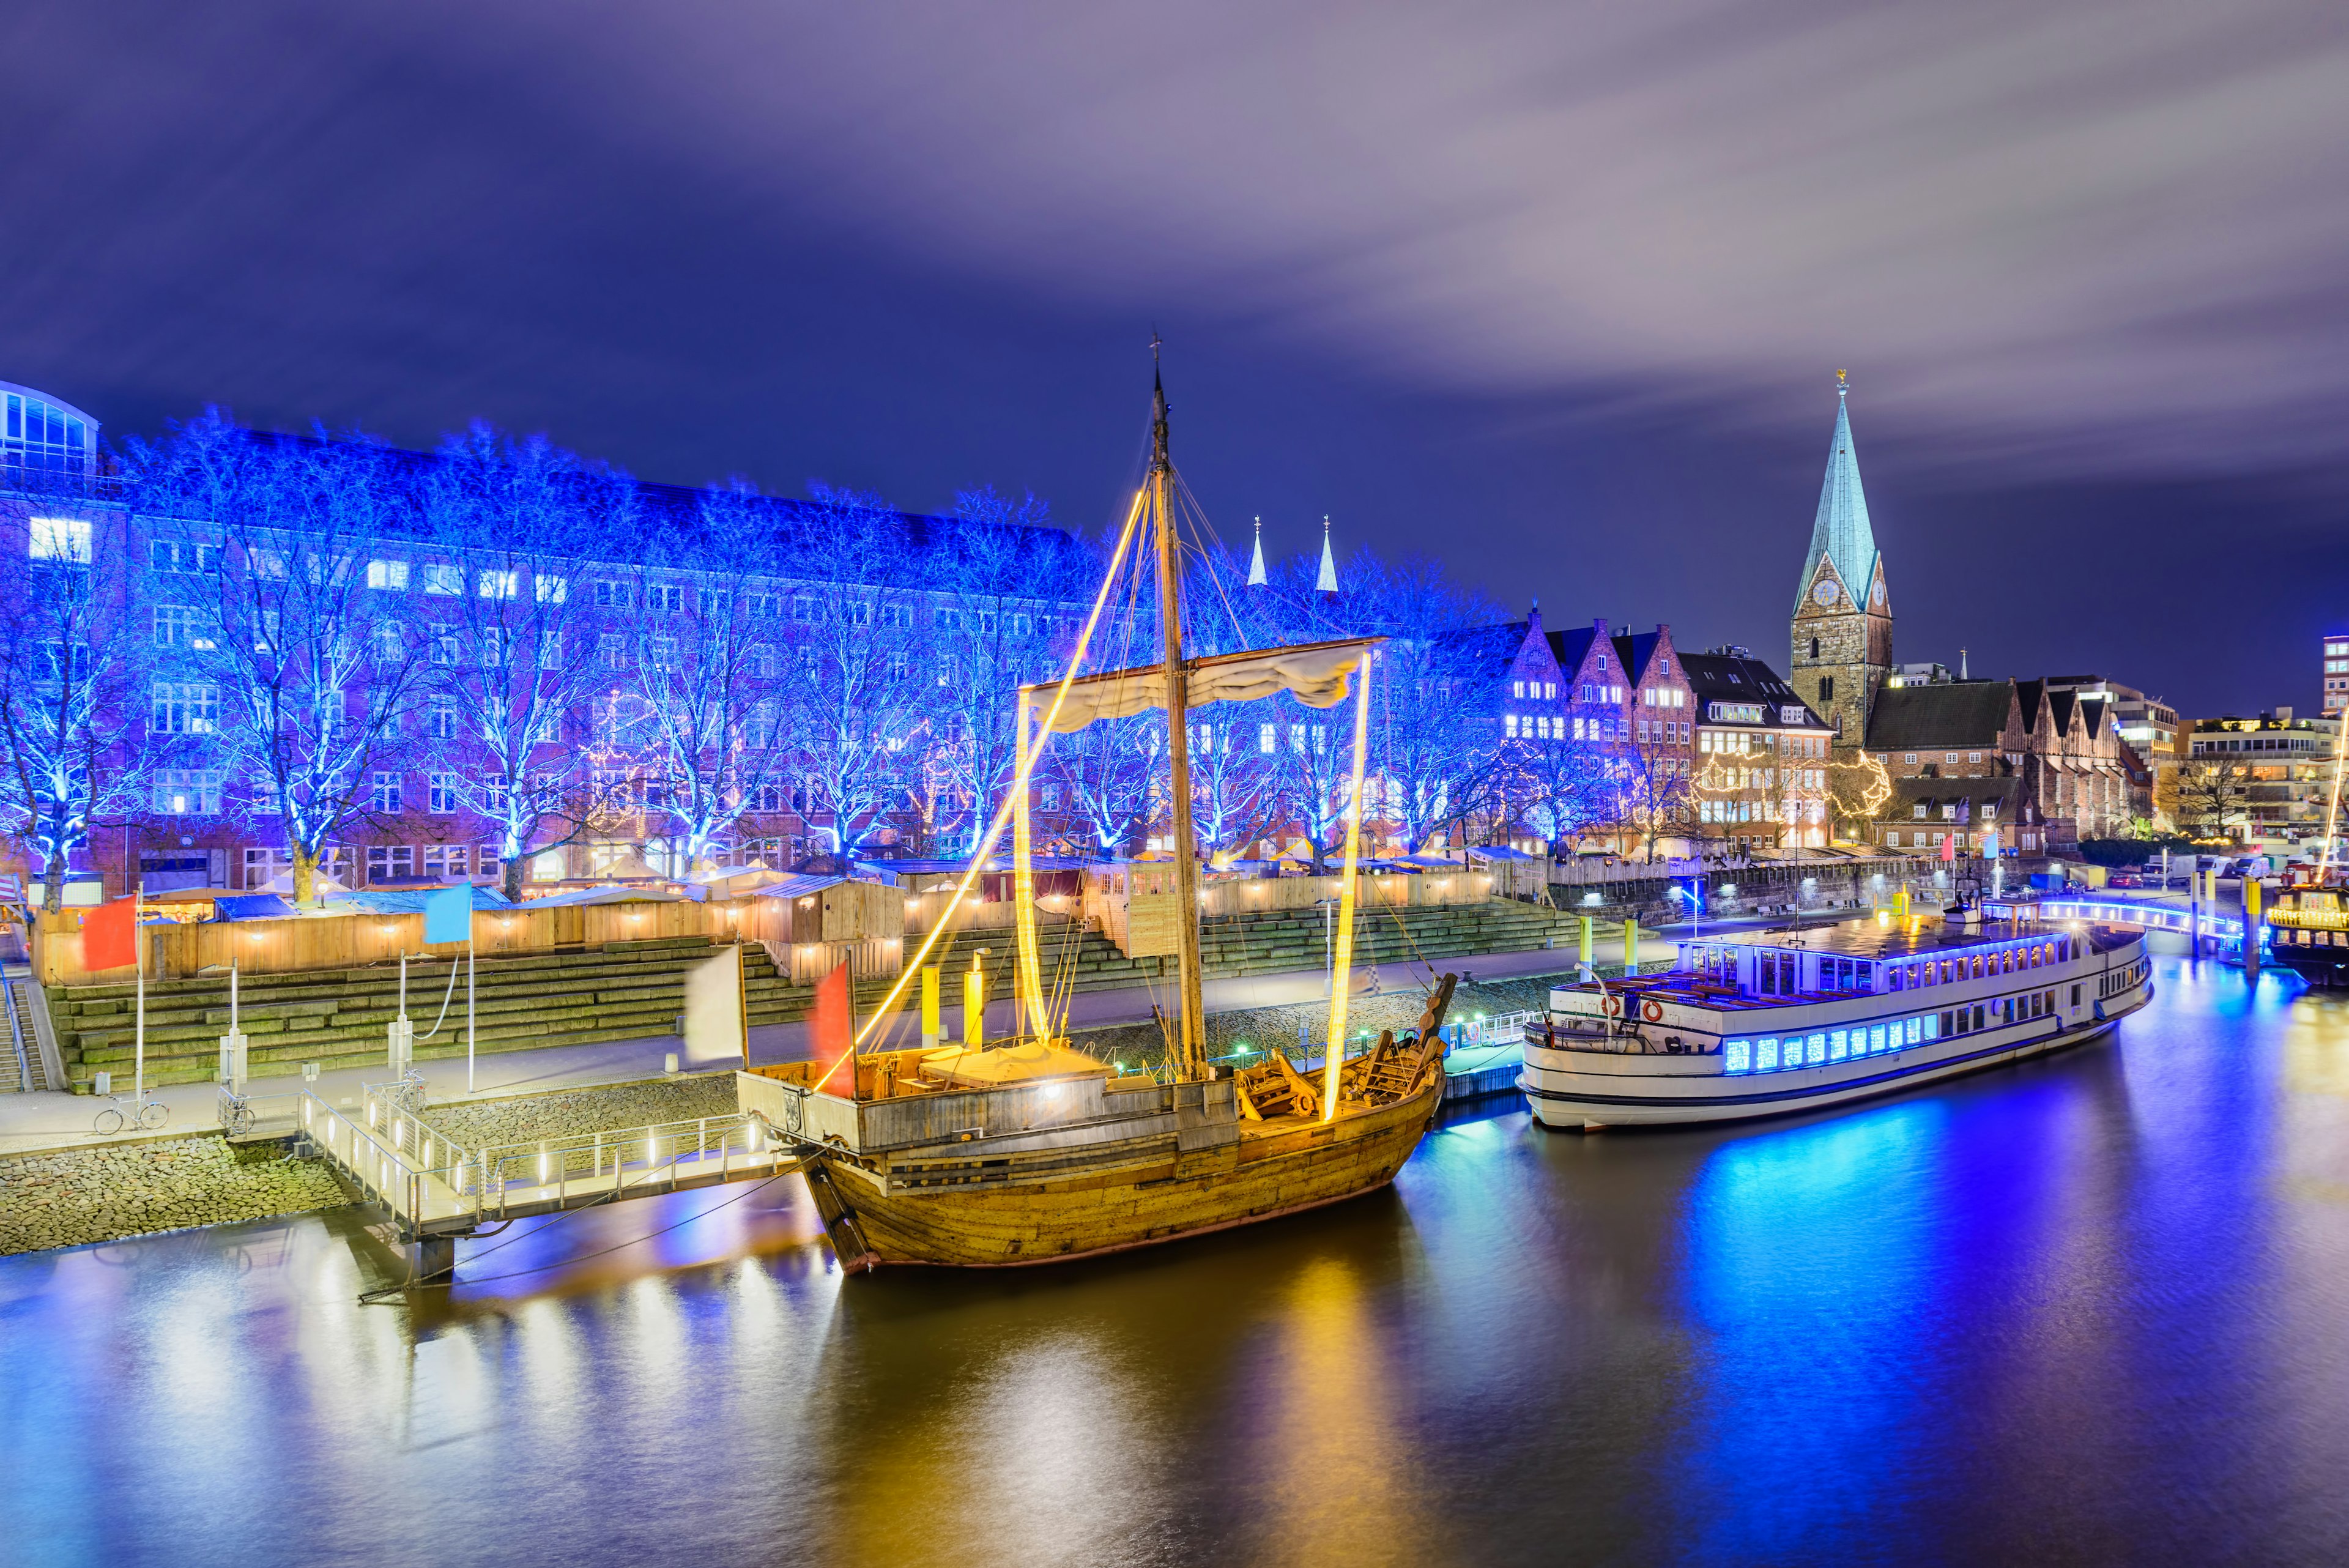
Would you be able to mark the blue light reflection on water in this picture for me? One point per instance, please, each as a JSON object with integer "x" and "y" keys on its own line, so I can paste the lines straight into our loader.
{"x": 2089, "y": 1309}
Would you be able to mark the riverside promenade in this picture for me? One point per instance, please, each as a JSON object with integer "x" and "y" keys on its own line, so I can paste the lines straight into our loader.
{"x": 39, "y": 1122}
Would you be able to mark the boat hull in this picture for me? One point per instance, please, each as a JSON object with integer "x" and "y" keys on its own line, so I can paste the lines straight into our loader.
{"x": 1159, "y": 1195}
{"x": 1561, "y": 1097}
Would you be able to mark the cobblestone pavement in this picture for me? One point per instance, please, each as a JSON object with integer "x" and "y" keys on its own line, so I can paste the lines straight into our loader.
{"x": 79, "y": 1196}
{"x": 1397, "y": 1009}
{"x": 568, "y": 1112}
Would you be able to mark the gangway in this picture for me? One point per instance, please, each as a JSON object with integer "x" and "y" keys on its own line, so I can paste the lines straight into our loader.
{"x": 436, "y": 1191}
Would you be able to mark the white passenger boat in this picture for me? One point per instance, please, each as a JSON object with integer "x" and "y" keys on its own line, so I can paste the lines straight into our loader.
{"x": 1765, "y": 1022}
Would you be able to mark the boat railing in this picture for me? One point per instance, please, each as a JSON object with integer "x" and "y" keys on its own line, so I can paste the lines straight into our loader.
{"x": 1580, "y": 1032}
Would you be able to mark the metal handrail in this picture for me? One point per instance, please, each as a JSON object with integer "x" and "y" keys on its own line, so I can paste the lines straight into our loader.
{"x": 17, "y": 1037}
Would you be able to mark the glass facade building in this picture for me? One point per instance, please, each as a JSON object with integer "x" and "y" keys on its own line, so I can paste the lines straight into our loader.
{"x": 37, "y": 432}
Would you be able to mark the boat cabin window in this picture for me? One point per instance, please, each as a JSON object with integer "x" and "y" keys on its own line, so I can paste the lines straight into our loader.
{"x": 1774, "y": 973}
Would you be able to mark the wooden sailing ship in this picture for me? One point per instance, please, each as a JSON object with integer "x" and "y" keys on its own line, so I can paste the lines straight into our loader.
{"x": 1031, "y": 1150}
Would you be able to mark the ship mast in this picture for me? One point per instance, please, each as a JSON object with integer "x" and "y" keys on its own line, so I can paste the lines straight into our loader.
{"x": 1191, "y": 1008}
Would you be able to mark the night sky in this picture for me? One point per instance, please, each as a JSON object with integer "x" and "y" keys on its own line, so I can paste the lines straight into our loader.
{"x": 1554, "y": 291}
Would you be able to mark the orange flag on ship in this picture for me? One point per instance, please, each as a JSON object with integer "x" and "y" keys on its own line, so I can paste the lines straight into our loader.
{"x": 832, "y": 1027}
{"x": 110, "y": 935}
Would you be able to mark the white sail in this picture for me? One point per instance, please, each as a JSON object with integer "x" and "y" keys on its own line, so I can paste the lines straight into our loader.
{"x": 1318, "y": 674}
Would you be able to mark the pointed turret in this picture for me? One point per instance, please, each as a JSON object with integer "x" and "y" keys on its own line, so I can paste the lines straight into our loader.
{"x": 1840, "y": 532}
{"x": 1327, "y": 583}
{"x": 1256, "y": 558}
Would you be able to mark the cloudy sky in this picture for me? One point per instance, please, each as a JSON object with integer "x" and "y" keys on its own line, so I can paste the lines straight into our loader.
{"x": 1554, "y": 291}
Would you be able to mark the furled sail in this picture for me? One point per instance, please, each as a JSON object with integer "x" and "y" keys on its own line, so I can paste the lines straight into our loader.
{"x": 1316, "y": 673}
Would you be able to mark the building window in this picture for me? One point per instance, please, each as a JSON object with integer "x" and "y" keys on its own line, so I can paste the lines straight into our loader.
{"x": 62, "y": 539}
{"x": 172, "y": 555}
{"x": 442, "y": 860}
{"x": 188, "y": 792}
{"x": 441, "y": 578}
{"x": 551, "y": 590}
{"x": 385, "y": 797}
{"x": 184, "y": 707}
{"x": 611, "y": 653}
{"x": 807, "y": 612}
{"x": 390, "y": 861}
{"x": 391, "y": 576}
{"x": 175, "y": 627}
{"x": 445, "y": 650}
{"x": 499, "y": 583}
{"x": 664, "y": 596}
{"x": 441, "y": 795}
{"x": 611, "y": 595}
{"x": 1815, "y": 650}
{"x": 662, "y": 654}
{"x": 440, "y": 719}
{"x": 1827, "y": 688}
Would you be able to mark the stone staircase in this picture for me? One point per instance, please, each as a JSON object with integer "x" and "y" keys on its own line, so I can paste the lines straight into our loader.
{"x": 621, "y": 990}
{"x": 635, "y": 990}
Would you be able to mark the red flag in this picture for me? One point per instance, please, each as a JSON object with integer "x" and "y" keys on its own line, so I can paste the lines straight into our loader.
{"x": 831, "y": 1029}
{"x": 1950, "y": 847}
{"x": 110, "y": 935}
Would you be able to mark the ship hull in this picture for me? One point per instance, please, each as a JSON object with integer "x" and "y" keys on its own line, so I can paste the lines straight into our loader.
{"x": 1158, "y": 1195}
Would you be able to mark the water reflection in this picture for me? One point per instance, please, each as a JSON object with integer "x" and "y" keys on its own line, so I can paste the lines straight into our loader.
{"x": 2087, "y": 1310}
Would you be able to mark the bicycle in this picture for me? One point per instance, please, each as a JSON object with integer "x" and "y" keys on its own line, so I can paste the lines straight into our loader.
{"x": 147, "y": 1116}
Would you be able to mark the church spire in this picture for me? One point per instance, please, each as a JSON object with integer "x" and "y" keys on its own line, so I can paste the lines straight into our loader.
{"x": 1256, "y": 558}
{"x": 1328, "y": 581}
{"x": 1840, "y": 532}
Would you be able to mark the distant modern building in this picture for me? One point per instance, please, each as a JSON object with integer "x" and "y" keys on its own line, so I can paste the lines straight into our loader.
{"x": 2336, "y": 673}
{"x": 2265, "y": 782}
{"x": 44, "y": 434}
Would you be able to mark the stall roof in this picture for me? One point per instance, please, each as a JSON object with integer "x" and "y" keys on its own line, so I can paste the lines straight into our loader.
{"x": 407, "y": 900}
{"x": 606, "y": 894}
{"x": 797, "y": 886}
{"x": 253, "y": 906}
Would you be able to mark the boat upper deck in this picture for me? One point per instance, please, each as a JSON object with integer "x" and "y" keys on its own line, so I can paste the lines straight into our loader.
{"x": 1740, "y": 970}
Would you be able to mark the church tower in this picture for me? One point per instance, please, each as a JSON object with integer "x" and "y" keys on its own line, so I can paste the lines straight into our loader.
{"x": 1843, "y": 614}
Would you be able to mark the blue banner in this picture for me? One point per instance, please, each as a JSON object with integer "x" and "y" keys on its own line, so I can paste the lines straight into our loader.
{"x": 449, "y": 915}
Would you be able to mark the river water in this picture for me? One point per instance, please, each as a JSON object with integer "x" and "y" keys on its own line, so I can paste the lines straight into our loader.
{"x": 2094, "y": 1309}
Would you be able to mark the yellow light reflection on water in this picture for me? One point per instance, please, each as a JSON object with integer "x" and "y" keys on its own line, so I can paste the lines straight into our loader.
{"x": 1339, "y": 1474}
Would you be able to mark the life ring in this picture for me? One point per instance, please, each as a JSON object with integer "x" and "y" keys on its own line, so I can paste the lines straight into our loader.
{"x": 1652, "y": 1011}
{"x": 1612, "y": 1006}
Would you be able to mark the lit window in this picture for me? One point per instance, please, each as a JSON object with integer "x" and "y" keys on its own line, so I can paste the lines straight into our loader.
{"x": 184, "y": 707}
{"x": 442, "y": 797}
{"x": 442, "y": 578}
{"x": 385, "y": 797}
{"x": 499, "y": 584}
{"x": 389, "y": 576}
{"x": 1509, "y": 723}
{"x": 551, "y": 590}
{"x": 1875, "y": 1039}
{"x": 1765, "y": 1056}
{"x": 63, "y": 539}
{"x": 1737, "y": 1055}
